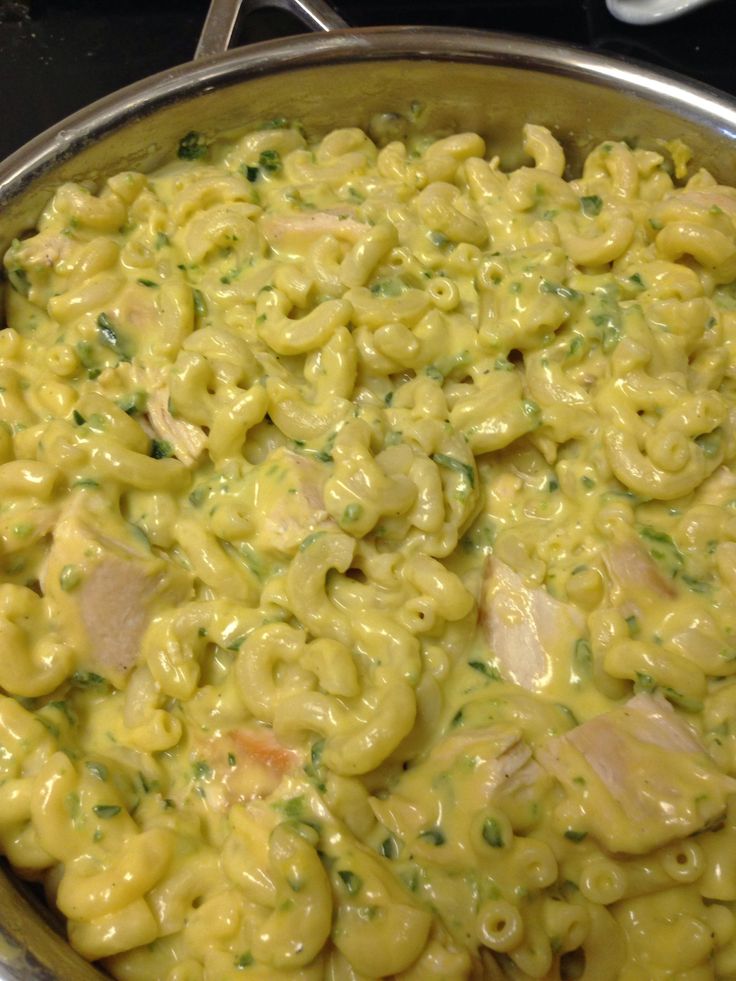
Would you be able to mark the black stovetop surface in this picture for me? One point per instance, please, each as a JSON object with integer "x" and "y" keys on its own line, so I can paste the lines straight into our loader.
{"x": 59, "y": 55}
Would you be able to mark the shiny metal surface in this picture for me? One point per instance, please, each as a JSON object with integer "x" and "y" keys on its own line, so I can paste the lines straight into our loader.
{"x": 490, "y": 83}
{"x": 223, "y": 16}
{"x": 495, "y": 83}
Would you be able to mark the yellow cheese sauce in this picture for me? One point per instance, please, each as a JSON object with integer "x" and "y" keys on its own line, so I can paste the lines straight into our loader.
{"x": 368, "y": 560}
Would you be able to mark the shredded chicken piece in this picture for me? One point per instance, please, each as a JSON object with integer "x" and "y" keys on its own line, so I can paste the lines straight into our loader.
{"x": 247, "y": 763}
{"x": 288, "y": 500}
{"x": 43, "y": 251}
{"x": 187, "y": 440}
{"x": 717, "y": 198}
{"x": 637, "y": 777}
{"x": 106, "y": 586}
{"x": 494, "y": 759}
{"x": 523, "y": 626}
{"x": 295, "y": 234}
{"x": 635, "y": 572}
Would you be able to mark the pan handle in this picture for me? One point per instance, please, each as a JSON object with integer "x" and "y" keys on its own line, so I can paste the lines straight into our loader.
{"x": 223, "y": 15}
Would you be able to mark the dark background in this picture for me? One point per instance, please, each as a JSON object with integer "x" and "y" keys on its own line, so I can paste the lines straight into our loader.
{"x": 59, "y": 55}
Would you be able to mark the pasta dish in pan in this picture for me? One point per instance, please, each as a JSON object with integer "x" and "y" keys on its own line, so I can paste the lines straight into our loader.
{"x": 368, "y": 562}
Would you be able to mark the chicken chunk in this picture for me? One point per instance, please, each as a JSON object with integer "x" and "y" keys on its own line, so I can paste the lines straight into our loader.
{"x": 244, "y": 764}
{"x": 286, "y": 498}
{"x": 186, "y": 440}
{"x": 636, "y": 574}
{"x": 637, "y": 777}
{"x": 295, "y": 234}
{"x": 105, "y": 586}
{"x": 524, "y": 627}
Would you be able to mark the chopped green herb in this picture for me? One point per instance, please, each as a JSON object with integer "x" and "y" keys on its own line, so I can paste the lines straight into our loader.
{"x": 243, "y": 960}
{"x": 149, "y": 283}
{"x": 572, "y": 835}
{"x": 591, "y": 205}
{"x": 492, "y": 834}
{"x": 109, "y": 336}
{"x": 131, "y": 404}
{"x": 250, "y": 173}
{"x": 686, "y": 702}
{"x": 270, "y": 161}
{"x": 78, "y": 418}
{"x": 293, "y": 808}
{"x": 200, "y": 304}
{"x": 192, "y": 146}
{"x": 696, "y": 585}
{"x": 198, "y": 496}
{"x": 662, "y": 548}
{"x": 106, "y": 811}
{"x": 389, "y": 847}
{"x": 162, "y": 240}
{"x": 310, "y": 540}
{"x": 62, "y": 706}
{"x": 564, "y": 292}
{"x": 18, "y": 279}
{"x": 388, "y": 287}
{"x": 316, "y": 752}
{"x": 632, "y": 623}
{"x": 352, "y": 513}
{"x": 231, "y": 760}
{"x": 582, "y": 655}
{"x": 644, "y": 682}
{"x": 229, "y": 277}
{"x": 147, "y": 785}
{"x": 352, "y": 882}
{"x": 69, "y": 578}
{"x": 488, "y": 670}
{"x": 87, "y": 679}
{"x": 568, "y": 713}
{"x": 435, "y": 836}
{"x": 201, "y": 770}
{"x": 98, "y": 770}
{"x": 160, "y": 449}
{"x": 452, "y": 463}
{"x": 710, "y": 443}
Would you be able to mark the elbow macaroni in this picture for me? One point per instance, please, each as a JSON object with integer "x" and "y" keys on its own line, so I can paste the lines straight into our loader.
{"x": 355, "y": 496}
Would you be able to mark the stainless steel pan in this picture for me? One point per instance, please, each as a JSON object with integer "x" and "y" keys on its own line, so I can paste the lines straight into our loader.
{"x": 490, "y": 83}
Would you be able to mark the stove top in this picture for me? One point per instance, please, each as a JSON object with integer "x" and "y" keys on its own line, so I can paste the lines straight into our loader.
{"x": 59, "y": 55}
